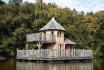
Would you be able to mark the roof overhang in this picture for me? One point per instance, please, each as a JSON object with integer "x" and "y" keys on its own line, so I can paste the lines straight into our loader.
{"x": 67, "y": 41}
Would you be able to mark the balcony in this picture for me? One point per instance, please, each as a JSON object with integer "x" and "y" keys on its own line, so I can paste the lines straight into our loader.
{"x": 37, "y": 37}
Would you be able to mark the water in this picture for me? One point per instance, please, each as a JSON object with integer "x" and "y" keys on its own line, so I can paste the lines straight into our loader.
{"x": 9, "y": 64}
{"x": 97, "y": 64}
{"x": 54, "y": 66}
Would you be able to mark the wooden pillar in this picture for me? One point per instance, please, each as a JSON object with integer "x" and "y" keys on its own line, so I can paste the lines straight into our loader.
{"x": 26, "y": 46}
{"x": 39, "y": 44}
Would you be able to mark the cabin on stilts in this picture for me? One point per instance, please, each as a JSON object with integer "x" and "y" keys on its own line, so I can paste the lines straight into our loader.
{"x": 52, "y": 45}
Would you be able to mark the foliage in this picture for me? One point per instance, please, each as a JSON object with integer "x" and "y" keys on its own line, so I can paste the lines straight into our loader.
{"x": 17, "y": 19}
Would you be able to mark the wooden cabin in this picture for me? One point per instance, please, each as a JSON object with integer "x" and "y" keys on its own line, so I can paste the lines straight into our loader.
{"x": 52, "y": 45}
{"x": 51, "y": 36}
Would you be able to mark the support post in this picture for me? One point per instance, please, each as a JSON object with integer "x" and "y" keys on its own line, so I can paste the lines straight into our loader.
{"x": 26, "y": 46}
{"x": 39, "y": 44}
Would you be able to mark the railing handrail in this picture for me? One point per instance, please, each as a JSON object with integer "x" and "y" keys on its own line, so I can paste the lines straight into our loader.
{"x": 48, "y": 37}
{"x": 41, "y": 37}
{"x": 55, "y": 53}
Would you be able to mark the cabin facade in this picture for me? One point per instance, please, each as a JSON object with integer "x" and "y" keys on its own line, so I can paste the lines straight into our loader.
{"x": 51, "y": 36}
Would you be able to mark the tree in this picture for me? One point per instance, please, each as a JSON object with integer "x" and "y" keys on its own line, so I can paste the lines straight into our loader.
{"x": 2, "y": 2}
{"x": 16, "y": 2}
{"x": 18, "y": 18}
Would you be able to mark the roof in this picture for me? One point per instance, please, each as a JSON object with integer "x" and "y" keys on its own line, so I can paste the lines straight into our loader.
{"x": 67, "y": 41}
{"x": 53, "y": 24}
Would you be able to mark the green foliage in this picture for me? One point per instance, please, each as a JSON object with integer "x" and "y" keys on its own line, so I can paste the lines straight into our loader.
{"x": 17, "y": 19}
{"x": 19, "y": 38}
{"x": 32, "y": 46}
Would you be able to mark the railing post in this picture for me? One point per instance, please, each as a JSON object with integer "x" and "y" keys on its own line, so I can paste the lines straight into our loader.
{"x": 65, "y": 54}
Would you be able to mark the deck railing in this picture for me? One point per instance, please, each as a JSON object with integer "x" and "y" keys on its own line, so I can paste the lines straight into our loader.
{"x": 48, "y": 38}
{"x": 39, "y": 37}
{"x": 54, "y": 54}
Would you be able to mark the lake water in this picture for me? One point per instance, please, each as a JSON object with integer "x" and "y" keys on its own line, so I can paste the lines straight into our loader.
{"x": 54, "y": 66}
{"x": 12, "y": 65}
{"x": 8, "y": 64}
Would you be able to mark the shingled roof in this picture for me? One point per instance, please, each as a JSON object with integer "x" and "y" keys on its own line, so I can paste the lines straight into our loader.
{"x": 67, "y": 41}
{"x": 53, "y": 24}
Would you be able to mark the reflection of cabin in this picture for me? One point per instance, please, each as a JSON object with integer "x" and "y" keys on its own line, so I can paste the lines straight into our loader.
{"x": 51, "y": 36}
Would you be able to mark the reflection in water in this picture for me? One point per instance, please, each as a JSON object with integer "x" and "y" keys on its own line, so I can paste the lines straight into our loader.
{"x": 53, "y": 66}
{"x": 98, "y": 64}
{"x": 9, "y": 64}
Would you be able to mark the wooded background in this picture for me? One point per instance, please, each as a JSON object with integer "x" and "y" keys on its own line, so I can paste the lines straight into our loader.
{"x": 18, "y": 19}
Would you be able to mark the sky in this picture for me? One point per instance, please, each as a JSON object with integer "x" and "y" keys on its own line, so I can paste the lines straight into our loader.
{"x": 79, "y": 5}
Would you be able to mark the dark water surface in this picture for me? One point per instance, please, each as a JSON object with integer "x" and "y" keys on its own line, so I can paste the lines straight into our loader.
{"x": 97, "y": 64}
{"x": 9, "y": 64}
{"x": 54, "y": 66}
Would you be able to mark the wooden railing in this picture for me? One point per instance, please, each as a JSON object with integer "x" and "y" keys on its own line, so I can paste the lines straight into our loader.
{"x": 39, "y": 37}
{"x": 48, "y": 38}
{"x": 54, "y": 54}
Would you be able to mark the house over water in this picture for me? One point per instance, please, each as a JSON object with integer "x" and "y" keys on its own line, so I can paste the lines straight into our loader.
{"x": 52, "y": 45}
{"x": 51, "y": 36}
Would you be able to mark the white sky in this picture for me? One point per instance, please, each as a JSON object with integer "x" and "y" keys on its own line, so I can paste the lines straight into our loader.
{"x": 79, "y": 5}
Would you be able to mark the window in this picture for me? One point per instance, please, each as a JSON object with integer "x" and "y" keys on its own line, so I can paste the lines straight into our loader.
{"x": 44, "y": 35}
{"x": 52, "y": 33}
{"x": 59, "y": 34}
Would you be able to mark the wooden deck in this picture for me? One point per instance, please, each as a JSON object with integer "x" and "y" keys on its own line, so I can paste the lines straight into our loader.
{"x": 54, "y": 54}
